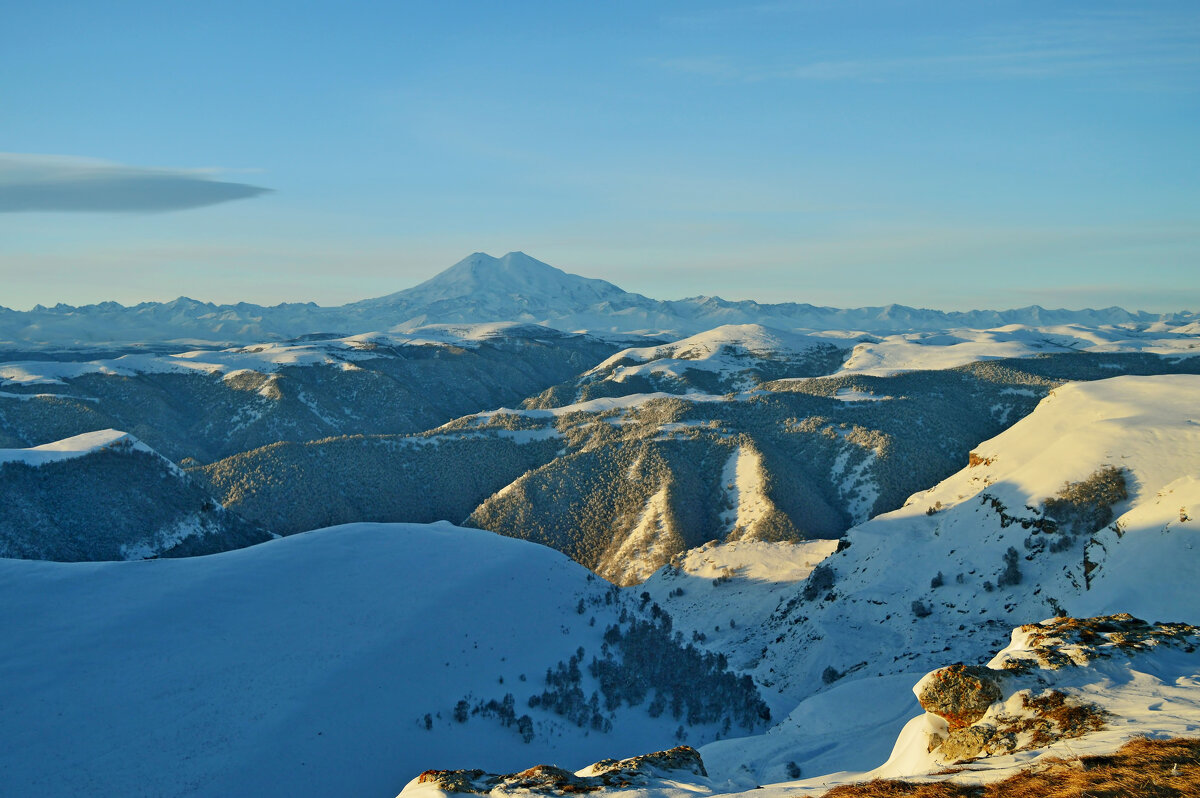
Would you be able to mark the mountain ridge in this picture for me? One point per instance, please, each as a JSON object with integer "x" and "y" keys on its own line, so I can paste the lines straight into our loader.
{"x": 514, "y": 287}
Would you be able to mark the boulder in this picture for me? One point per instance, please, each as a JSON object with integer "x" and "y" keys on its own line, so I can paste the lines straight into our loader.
{"x": 961, "y": 694}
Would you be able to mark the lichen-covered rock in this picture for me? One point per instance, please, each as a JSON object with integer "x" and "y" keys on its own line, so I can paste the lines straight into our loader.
{"x": 1029, "y": 695}
{"x": 461, "y": 781}
{"x": 681, "y": 758}
{"x": 552, "y": 780}
{"x": 1063, "y": 642}
{"x": 961, "y": 694}
{"x": 966, "y": 743}
{"x": 546, "y": 778}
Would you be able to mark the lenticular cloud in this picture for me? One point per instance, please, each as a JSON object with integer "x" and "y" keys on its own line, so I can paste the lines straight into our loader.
{"x": 50, "y": 183}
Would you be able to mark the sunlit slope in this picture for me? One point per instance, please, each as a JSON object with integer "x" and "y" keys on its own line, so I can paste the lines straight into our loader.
{"x": 1086, "y": 507}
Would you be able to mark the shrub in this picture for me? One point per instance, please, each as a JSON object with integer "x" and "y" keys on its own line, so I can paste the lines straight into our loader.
{"x": 1012, "y": 571}
{"x": 1086, "y": 506}
{"x": 819, "y": 581}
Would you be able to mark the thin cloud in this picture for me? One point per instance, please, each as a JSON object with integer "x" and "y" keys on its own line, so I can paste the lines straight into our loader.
{"x": 57, "y": 183}
{"x": 1126, "y": 47}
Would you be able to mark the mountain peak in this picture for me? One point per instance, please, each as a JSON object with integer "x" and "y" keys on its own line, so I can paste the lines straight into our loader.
{"x": 480, "y": 265}
{"x": 526, "y": 281}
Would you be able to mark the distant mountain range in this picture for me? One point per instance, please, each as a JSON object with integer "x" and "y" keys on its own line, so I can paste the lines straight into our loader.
{"x": 481, "y": 288}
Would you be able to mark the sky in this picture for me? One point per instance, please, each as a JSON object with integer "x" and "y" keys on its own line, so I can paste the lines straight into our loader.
{"x": 951, "y": 155}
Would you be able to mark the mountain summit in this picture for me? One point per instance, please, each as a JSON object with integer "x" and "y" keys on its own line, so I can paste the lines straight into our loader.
{"x": 515, "y": 287}
{"x": 515, "y": 276}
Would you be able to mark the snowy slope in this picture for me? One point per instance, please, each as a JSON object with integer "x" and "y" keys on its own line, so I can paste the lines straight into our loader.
{"x": 270, "y": 357}
{"x": 303, "y": 666}
{"x": 931, "y": 582}
{"x": 741, "y": 581}
{"x": 909, "y": 351}
{"x": 105, "y": 495}
{"x": 75, "y": 446}
{"x": 1062, "y": 689}
{"x": 963, "y": 527}
{"x": 739, "y": 355}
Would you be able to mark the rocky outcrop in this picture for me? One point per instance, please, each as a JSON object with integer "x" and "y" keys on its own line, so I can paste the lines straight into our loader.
{"x": 680, "y": 759}
{"x": 960, "y": 694}
{"x": 552, "y": 780}
{"x": 1034, "y": 692}
{"x": 1065, "y": 642}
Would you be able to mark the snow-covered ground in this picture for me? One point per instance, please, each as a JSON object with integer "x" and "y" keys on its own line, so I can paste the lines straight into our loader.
{"x": 302, "y": 666}
{"x": 743, "y": 582}
{"x": 743, "y": 480}
{"x": 956, "y": 347}
{"x": 266, "y": 358}
{"x": 1125, "y": 684}
{"x": 727, "y": 351}
{"x": 939, "y": 551}
{"x": 75, "y": 446}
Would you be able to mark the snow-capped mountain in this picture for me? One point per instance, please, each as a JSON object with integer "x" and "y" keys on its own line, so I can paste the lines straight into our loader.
{"x": 512, "y": 288}
{"x": 107, "y": 496}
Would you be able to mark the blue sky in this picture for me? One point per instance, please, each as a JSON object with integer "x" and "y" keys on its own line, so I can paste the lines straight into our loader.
{"x": 939, "y": 154}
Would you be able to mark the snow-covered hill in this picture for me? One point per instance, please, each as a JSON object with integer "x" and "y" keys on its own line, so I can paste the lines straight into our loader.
{"x": 722, "y": 360}
{"x": 337, "y": 662}
{"x": 208, "y": 404}
{"x": 512, "y": 288}
{"x": 956, "y": 347}
{"x": 1086, "y": 507}
{"x": 105, "y": 495}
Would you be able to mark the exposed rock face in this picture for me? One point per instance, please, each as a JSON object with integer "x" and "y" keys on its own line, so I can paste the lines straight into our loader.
{"x": 551, "y": 780}
{"x": 961, "y": 694}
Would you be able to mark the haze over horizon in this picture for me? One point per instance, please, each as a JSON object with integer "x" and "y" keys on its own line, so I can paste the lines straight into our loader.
{"x": 929, "y": 154}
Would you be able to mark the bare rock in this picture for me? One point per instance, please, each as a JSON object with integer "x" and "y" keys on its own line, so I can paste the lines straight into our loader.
{"x": 553, "y": 780}
{"x": 1064, "y": 642}
{"x": 961, "y": 694}
{"x": 681, "y": 758}
{"x": 966, "y": 743}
